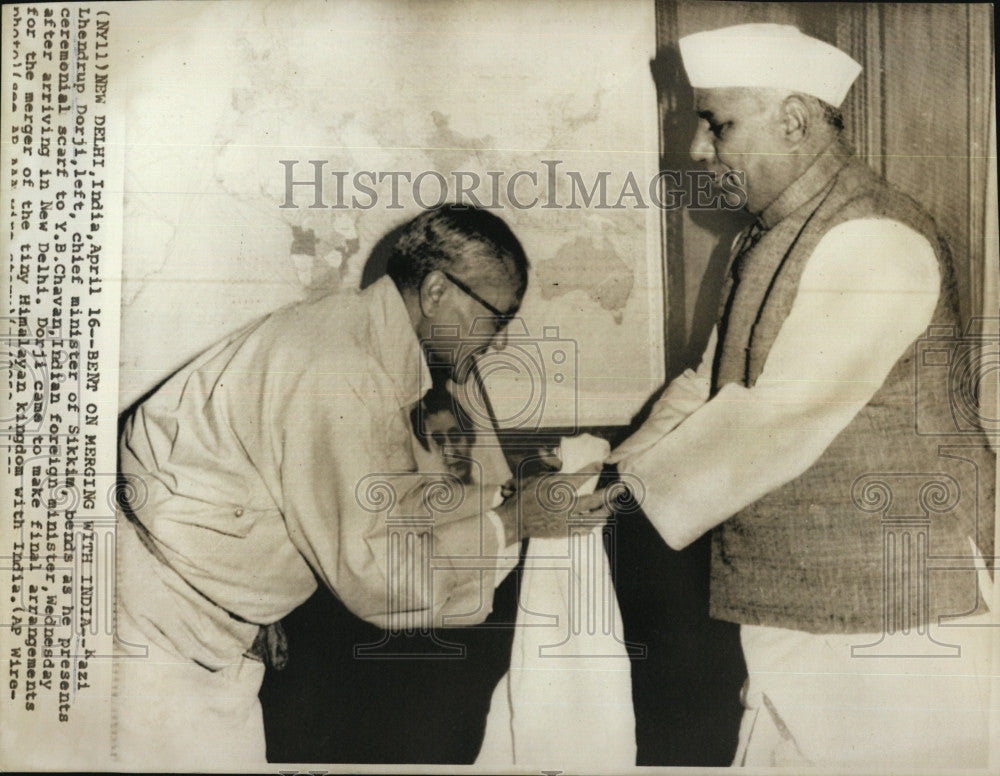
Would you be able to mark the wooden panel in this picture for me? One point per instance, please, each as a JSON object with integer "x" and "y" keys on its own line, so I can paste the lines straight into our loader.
{"x": 859, "y": 33}
{"x": 926, "y": 118}
{"x": 982, "y": 159}
{"x": 674, "y": 100}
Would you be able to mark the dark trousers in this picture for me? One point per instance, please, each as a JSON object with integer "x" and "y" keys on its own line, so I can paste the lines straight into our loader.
{"x": 686, "y": 689}
{"x": 328, "y": 706}
{"x": 397, "y": 704}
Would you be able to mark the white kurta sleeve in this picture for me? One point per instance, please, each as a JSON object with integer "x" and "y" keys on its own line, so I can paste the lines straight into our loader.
{"x": 867, "y": 292}
{"x": 686, "y": 393}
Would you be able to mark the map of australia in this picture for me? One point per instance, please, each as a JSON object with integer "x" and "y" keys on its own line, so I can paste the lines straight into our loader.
{"x": 595, "y": 270}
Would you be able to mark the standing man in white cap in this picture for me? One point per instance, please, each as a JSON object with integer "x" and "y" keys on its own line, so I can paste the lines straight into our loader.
{"x": 806, "y": 389}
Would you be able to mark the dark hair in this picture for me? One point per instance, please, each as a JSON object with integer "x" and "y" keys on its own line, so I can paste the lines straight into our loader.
{"x": 832, "y": 116}
{"x": 438, "y": 399}
{"x": 440, "y": 238}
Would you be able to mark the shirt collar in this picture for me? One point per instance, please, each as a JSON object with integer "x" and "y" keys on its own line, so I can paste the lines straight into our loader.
{"x": 396, "y": 343}
{"x": 808, "y": 185}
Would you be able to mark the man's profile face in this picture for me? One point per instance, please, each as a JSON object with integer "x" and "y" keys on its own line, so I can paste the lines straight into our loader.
{"x": 473, "y": 318}
{"x": 740, "y": 129}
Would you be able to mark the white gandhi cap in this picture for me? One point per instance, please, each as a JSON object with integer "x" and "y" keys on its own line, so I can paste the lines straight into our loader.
{"x": 775, "y": 56}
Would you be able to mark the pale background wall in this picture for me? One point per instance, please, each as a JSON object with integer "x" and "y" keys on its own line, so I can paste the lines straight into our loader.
{"x": 219, "y": 92}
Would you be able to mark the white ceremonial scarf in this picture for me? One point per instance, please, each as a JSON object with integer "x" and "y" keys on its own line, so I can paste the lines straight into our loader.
{"x": 566, "y": 701}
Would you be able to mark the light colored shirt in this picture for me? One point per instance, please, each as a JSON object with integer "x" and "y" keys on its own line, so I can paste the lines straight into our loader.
{"x": 867, "y": 292}
{"x": 275, "y": 458}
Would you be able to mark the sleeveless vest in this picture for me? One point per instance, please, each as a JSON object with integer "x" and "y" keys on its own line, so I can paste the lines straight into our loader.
{"x": 863, "y": 539}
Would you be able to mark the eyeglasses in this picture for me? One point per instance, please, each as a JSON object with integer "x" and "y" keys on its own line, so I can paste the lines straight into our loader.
{"x": 502, "y": 318}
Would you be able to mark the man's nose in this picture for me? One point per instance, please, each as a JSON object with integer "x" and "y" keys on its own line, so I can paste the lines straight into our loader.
{"x": 702, "y": 149}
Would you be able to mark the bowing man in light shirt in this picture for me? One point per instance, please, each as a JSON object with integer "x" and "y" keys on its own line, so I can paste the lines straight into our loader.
{"x": 258, "y": 471}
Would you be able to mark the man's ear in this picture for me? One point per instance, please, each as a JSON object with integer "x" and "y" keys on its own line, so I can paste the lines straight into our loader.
{"x": 795, "y": 119}
{"x": 431, "y": 290}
